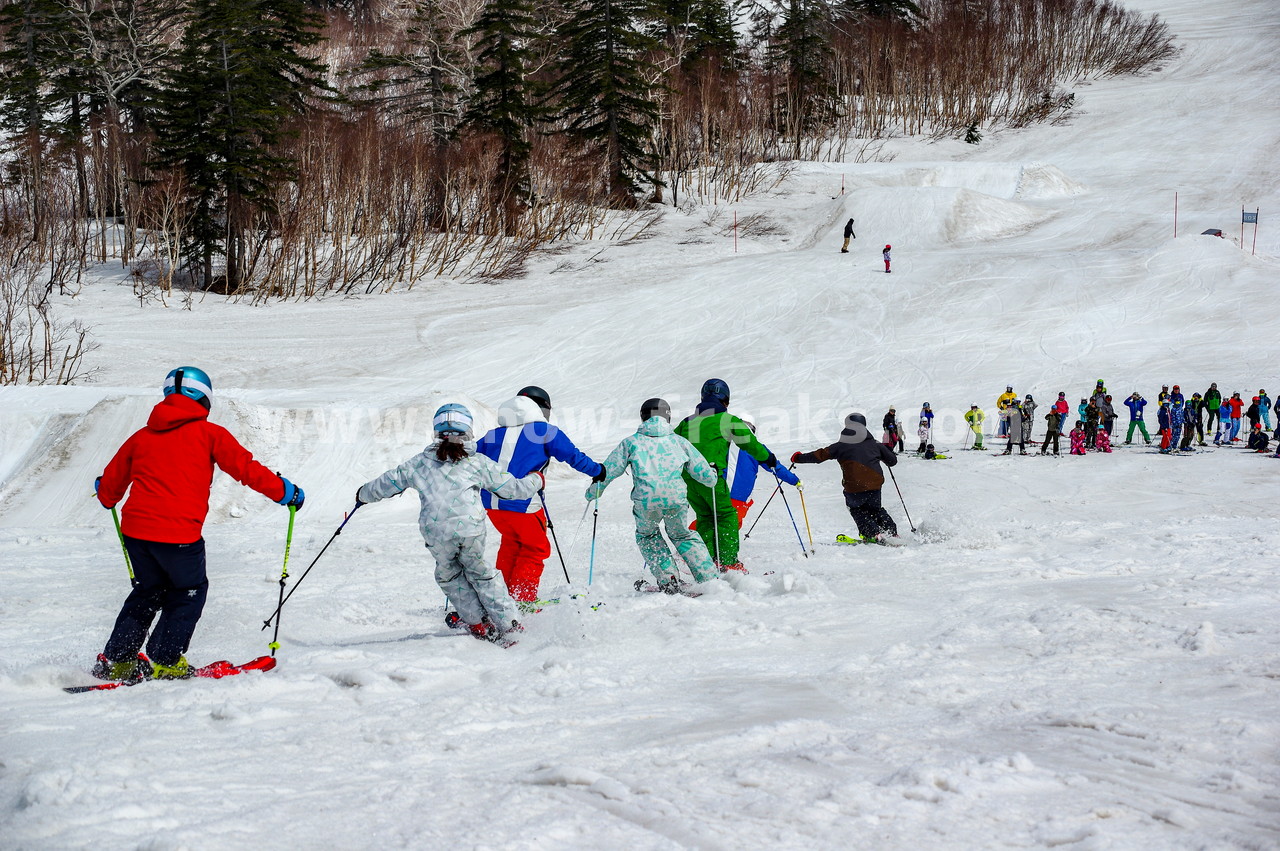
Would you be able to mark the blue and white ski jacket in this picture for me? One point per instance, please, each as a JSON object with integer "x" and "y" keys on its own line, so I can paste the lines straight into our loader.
{"x": 523, "y": 442}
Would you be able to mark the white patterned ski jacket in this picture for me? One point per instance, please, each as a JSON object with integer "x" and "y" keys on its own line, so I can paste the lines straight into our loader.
{"x": 450, "y": 492}
{"x": 656, "y": 457}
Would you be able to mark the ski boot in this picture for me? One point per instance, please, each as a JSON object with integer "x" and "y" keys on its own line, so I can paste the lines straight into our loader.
{"x": 672, "y": 585}
{"x": 179, "y": 670}
{"x": 132, "y": 669}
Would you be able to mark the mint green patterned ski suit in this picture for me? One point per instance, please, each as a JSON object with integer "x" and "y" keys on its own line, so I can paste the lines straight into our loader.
{"x": 657, "y": 457}
{"x": 452, "y": 522}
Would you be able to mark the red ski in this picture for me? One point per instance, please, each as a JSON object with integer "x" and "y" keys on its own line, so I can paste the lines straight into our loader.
{"x": 212, "y": 671}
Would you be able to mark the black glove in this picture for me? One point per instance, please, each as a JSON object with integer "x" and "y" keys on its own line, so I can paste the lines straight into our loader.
{"x": 600, "y": 476}
{"x": 771, "y": 461}
{"x": 359, "y": 501}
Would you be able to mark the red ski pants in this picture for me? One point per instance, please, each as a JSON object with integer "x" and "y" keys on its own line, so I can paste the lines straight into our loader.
{"x": 523, "y": 550}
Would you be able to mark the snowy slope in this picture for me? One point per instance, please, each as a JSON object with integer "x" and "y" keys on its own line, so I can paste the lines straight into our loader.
{"x": 1073, "y": 652}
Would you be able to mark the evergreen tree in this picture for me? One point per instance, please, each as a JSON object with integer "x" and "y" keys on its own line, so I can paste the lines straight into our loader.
{"x": 239, "y": 79}
{"x": 800, "y": 50}
{"x": 700, "y": 31}
{"x": 605, "y": 88}
{"x": 502, "y": 103}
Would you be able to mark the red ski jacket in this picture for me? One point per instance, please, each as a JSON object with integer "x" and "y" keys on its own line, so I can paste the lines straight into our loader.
{"x": 170, "y": 467}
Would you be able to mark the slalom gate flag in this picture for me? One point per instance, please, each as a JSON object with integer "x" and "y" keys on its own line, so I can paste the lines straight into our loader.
{"x": 1248, "y": 218}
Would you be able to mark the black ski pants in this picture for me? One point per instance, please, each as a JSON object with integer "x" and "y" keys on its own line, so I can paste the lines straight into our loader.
{"x": 1051, "y": 436}
{"x": 169, "y": 579}
{"x": 869, "y": 514}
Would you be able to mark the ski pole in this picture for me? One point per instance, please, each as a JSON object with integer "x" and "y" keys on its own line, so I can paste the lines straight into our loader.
{"x": 595, "y": 518}
{"x": 552, "y": 529}
{"x": 903, "y": 501}
{"x": 715, "y": 522}
{"x": 804, "y": 509}
{"x": 345, "y": 518}
{"x": 128, "y": 565}
{"x": 762, "y": 511}
{"x": 284, "y": 574}
{"x": 794, "y": 525}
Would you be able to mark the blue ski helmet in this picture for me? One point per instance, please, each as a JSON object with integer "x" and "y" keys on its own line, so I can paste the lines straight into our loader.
{"x": 714, "y": 388}
{"x": 191, "y": 382}
{"x": 452, "y": 419}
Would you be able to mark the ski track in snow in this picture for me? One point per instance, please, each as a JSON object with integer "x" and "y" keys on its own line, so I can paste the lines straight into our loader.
{"x": 1071, "y": 653}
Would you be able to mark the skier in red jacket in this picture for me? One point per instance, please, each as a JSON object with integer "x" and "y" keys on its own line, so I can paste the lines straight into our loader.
{"x": 167, "y": 469}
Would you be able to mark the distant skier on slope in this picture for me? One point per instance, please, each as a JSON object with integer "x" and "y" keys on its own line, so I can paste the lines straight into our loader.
{"x": 1264, "y": 407}
{"x": 974, "y": 418}
{"x": 448, "y": 476}
{"x": 848, "y": 235}
{"x": 1135, "y": 403}
{"x": 711, "y": 429}
{"x": 661, "y": 464}
{"x": 1063, "y": 409}
{"x": 1003, "y": 401}
{"x": 1028, "y": 418}
{"x": 859, "y": 455}
{"x": 167, "y": 469}
{"x": 1014, "y": 414}
{"x": 885, "y": 253}
{"x": 1077, "y": 438}
{"x": 1212, "y": 405}
{"x": 1051, "y": 434}
{"x": 893, "y": 430}
{"x": 524, "y": 442}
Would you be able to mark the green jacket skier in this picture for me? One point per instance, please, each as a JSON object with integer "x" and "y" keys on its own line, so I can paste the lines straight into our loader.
{"x": 659, "y": 462}
{"x": 711, "y": 429}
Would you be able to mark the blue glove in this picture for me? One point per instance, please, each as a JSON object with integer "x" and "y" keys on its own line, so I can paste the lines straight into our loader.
{"x": 96, "y": 483}
{"x": 293, "y": 495}
{"x": 786, "y": 475}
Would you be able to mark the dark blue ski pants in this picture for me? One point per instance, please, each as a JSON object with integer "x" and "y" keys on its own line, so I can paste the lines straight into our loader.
{"x": 169, "y": 579}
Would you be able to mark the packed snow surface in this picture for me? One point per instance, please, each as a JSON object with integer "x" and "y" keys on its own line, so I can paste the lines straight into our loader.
{"x": 1072, "y": 652}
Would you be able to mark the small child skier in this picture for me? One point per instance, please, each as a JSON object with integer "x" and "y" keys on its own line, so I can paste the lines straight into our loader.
{"x": 448, "y": 476}
{"x": 1052, "y": 419}
{"x": 1102, "y": 442}
{"x": 974, "y": 418}
{"x": 923, "y": 433}
{"x": 1223, "y": 435}
{"x": 1077, "y": 438}
{"x": 886, "y": 258}
{"x": 657, "y": 458}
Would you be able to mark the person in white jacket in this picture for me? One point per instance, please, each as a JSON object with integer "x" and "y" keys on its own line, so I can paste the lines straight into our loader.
{"x": 448, "y": 476}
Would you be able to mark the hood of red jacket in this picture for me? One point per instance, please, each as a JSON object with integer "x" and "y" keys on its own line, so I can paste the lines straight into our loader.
{"x": 175, "y": 410}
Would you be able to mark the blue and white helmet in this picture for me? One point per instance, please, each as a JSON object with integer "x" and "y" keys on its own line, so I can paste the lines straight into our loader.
{"x": 191, "y": 382}
{"x": 452, "y": 419}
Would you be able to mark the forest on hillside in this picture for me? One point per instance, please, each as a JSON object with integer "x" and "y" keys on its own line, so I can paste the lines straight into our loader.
{"x": 281, "y": 149}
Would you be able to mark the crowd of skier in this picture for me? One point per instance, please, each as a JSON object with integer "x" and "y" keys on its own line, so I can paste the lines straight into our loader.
{"x": 708, "y": 463}
{"x": 1180, "y": 420}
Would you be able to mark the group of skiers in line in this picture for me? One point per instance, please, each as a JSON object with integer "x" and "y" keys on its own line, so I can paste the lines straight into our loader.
{"x": 1181, "y": 420}
{"x": 708, "y": 462}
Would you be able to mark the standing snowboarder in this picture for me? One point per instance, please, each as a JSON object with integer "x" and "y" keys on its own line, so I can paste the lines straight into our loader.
{"x": 524, "y": 442}
{"x": 449, "y": 476}
{"x": 859, "y": 455}
{"x": 167, "y": 469}
{"x": 1014, "y": 413}
{"x": 848, "y": 235}
{"x": 886, "y": 257}
{"x": 660, "y": 462}
{"x": 711, "y": 429}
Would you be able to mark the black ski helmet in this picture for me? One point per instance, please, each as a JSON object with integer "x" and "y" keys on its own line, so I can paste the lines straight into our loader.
{"x": 715, "y": 388}
{"x": 539, "y": 396}
{"x": 655, "y": 407}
